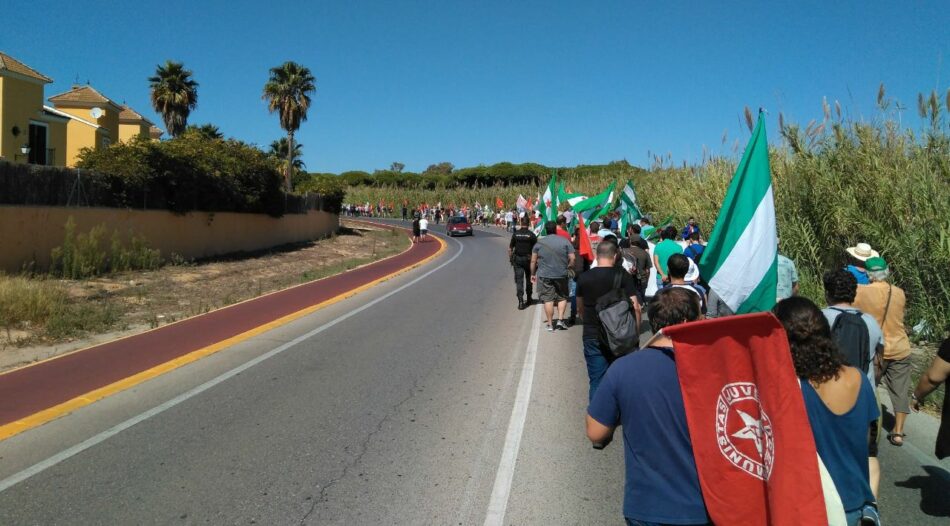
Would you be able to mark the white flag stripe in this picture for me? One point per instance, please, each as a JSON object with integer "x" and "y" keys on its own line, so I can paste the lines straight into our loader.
{"x": 751, "y": 257}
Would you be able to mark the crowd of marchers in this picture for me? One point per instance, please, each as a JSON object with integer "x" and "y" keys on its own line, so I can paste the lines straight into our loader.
{"x": 841, "y": 353}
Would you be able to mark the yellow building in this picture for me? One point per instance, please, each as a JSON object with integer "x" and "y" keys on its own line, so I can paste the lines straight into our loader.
{"x": 29, "y": 132}
{"x": 94, "y": 120}
{"x": 132, "y": 124}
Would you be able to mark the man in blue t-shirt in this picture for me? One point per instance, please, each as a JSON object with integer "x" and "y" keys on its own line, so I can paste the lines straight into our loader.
{"x": 641, "y": 392}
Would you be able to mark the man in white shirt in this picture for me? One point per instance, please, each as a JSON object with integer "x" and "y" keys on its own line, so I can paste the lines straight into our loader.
{"x": 424, "y": 228}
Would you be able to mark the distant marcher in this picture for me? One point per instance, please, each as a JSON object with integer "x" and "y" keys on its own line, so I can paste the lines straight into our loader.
{"x": 590, "y": 287}
{"x": 694, "y": 249}
{"x": 886, "y": 303}
{"x": 937, "y": 374}
{"x": 857, "y": 256}
{"x": 716, "y": 307}
{"x": 787, "y": 283}
{"x": 405, "y": 212}
{"x": 678, "y": 265}
{"x": 662, "y": 252}
{"x": 519, "y": 254}
{"x": 861, "y": 343}
{"x": 562, "y": 228}
{"x": 424, "y": 228}
{"x": 416, "y": 228}
{"x": 509, "y": 221}
{"x": 840, "y": 404}
{"x": 690, "y": 229}
{"x": 641, "y": 393}
{"x": 634, "y": 249}
{"x": 551, "y": 258}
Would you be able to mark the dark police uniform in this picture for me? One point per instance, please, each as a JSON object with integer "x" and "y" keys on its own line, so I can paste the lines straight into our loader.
{"x": 522, "y": 241}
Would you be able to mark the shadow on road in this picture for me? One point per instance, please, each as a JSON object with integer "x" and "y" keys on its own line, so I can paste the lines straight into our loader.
{"x": 934, "y": 488}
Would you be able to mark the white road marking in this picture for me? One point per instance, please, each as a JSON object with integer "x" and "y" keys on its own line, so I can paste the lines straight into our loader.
{"x": 498, "y": 504}
{"x": 41, "y": 466}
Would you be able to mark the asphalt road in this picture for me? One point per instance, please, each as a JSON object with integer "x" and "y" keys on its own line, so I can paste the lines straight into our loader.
{"x": 428, "y": 399}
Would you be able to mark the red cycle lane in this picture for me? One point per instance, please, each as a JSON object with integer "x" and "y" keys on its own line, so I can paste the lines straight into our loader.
{"x": 47, "y": 384}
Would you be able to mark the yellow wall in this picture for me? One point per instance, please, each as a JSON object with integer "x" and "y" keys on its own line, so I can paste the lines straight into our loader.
{"x": 20, "y": 101}
{"x": 57, "y": 141}
{"x": 79, "y": 135}
{"x": 128, "y": 131}
{"x": 28, "y": 233}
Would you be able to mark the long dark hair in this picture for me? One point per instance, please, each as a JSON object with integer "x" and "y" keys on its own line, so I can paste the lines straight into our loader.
{"x": 814, "y": 352}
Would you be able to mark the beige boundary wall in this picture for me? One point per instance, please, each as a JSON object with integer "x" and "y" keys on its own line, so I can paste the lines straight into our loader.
{"x": 29, "y": 233}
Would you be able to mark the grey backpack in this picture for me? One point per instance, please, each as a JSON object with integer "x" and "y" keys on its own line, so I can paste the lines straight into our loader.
{"x": 619, "y": 334}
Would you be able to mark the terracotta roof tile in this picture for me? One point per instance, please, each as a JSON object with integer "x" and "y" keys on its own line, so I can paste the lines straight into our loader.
{"x": 129, "y": 115}
{"x": 155, "y": 132}
{"x": 83, "y": 95}
{"x": 11, "y": 64}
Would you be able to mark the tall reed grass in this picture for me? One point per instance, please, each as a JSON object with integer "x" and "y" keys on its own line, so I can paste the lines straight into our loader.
{"x": 837, "y": 182}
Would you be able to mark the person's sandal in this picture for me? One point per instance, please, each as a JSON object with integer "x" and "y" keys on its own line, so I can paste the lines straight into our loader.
{"x": 892, "y": 438}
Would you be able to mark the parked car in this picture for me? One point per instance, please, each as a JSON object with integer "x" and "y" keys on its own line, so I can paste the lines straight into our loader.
{"x": 458, "y": 226}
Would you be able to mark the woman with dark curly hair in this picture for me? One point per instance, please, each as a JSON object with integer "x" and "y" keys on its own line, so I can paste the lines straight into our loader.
{"x": 840, "y": 403}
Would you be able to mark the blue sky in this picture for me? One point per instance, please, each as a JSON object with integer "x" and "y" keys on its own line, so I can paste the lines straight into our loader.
{"x": 560, "y": 83}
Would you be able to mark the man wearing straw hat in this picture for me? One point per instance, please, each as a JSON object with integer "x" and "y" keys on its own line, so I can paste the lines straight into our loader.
{"x": 857, "y": 255}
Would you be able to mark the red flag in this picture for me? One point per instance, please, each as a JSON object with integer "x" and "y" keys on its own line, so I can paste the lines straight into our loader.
{"x": 753, "y": 444}
{"x": 583, "y": 241}
{"x": 528, "y": 205}
{"x": 499, "y": 203}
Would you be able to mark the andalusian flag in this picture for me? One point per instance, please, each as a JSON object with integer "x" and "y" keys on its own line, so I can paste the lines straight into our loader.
{"x": 569, "y": 198}
{"x": 740, "y": 260}
{"x": 593, "y": 207}
{"x": 629, "y": 211}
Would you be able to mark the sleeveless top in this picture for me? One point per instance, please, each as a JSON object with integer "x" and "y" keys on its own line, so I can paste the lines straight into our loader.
{"x": 842, "y": 442}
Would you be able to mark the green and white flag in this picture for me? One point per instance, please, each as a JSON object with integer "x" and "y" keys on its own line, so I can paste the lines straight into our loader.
{"x": 629, "y": 211}
{"x": 548, "y": 204}
{"x": 569, "y": 198}
{"x": 740, "y": 261}
{"x": 592, "y": 207}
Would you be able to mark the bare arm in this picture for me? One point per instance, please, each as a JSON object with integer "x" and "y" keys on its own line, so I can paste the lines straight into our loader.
{"x": 580, "y": 307}
{"x": 637, "y": 310}
{"x": 534, "y": 265}
{"x": 570, "y": 260}
{"x": 598, "y": 433}
{"x": 936, "y": 375}
{"x": 659, "y": 269}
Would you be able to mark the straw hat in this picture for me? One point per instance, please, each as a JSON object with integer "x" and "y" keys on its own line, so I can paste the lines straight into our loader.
{"x": 862, "y": 251}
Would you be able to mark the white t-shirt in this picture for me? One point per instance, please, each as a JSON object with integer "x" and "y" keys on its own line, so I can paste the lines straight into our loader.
{"x": 423, "y": 224}
{"x": 509, "y": 217}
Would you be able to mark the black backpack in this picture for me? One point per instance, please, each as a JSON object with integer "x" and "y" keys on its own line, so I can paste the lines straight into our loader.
{"x": 619, "y": 334}
{"x": 853, "y": 338}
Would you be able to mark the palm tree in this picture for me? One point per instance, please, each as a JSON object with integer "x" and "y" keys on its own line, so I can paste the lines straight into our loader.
{"x": 288, "y": 93}
{"x": 174, "y": 95}
{"x": 278, "y": 149}
{"x": 208, "y": 131}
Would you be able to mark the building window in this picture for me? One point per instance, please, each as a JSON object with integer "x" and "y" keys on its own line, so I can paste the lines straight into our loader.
{"x": 38, "y": 140}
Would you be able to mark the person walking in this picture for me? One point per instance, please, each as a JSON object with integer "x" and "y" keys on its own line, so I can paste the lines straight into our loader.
{"x": 886, "y": 303}
{"x": 662, "y": 252}
{"x": 690, "y": 229}
{"x": 551, "y": 258}
{"x": 635, "y": 250}
{"x": 416, "y": 228}
{"x": 840, "y": 404}
{"x": 641, "y": 393}
{"x": 787, "y": 284}
{"x": 861, "y": 343}
{"x": 857, "y": 257}
{"x": 519, "y": 254}
{"x": 424, "y": 228}
{"x": 590, "y": 287}
{"x": 405, "y": 212}
{"x": 694, "y": 248}
{"x": 937, "y": 374}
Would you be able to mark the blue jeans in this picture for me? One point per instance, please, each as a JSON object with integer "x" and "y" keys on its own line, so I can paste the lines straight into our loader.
{"x": 596, "y": 364}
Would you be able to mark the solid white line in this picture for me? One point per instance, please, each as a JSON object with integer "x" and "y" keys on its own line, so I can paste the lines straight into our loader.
{"x": 498, "y": 504}
{"x": 41, "y": 466}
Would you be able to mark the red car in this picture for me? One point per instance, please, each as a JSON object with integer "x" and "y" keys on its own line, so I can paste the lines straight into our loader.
{"x": 458, "y": 226}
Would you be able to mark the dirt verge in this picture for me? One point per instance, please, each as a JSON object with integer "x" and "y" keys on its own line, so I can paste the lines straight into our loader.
{"x": 132, "y": 302}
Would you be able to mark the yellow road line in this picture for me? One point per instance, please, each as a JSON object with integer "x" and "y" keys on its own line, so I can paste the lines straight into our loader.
{"x": 52, "y": 413}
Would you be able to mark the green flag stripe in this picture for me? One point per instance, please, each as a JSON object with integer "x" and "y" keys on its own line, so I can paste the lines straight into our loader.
{"x": 762, "y": 298}
{"x": 754, "y": 178}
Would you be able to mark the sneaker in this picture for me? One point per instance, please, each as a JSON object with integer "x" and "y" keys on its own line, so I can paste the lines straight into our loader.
{"x": 549, "y": 327}
{"x": 521, "y": 304}
{"x": 561, "y": 325}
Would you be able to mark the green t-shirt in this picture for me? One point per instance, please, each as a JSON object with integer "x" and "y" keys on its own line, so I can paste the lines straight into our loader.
{"x": 664, "y": 249}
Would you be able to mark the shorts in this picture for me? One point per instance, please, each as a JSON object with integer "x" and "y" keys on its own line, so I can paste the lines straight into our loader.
{"x": 896, "y": 378}
{"x": 424, "y": 231}
{"x": 552, "y": 289}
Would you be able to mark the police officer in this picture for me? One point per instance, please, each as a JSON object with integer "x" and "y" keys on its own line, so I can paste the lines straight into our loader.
{"x": 519, "y": 253}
